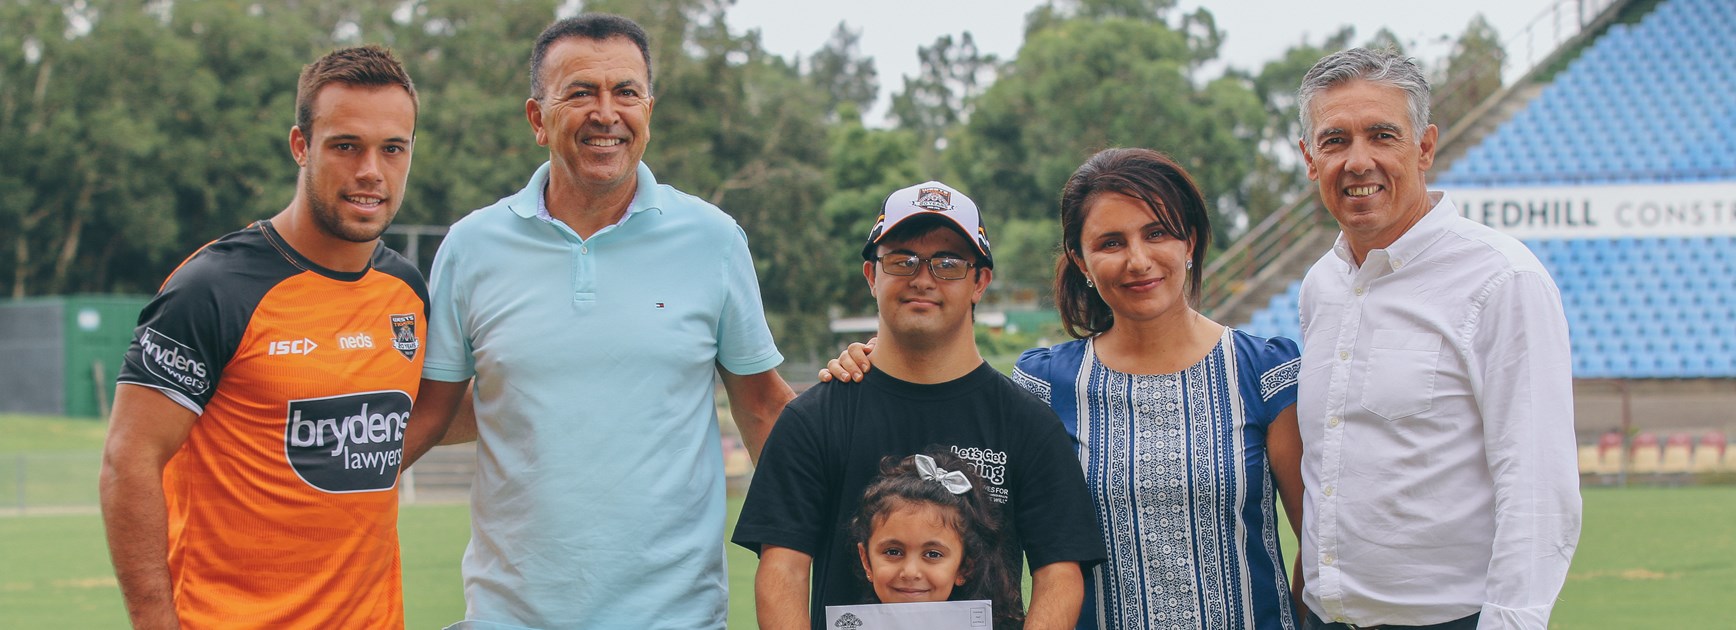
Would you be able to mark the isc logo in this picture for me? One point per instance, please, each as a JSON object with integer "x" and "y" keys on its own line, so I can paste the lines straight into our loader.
{"x": 292, "y": 346}
{"x": 357, "y": 341}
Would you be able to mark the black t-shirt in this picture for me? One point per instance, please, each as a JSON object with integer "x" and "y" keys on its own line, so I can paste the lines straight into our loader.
{"x": 827, "y": 446}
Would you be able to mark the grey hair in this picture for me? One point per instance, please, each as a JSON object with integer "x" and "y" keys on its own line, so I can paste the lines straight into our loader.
{"x": 1385, "y": 67}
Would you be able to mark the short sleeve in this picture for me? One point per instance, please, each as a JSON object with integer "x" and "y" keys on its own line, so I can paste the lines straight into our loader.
{"x": 1053, "y": 512}
{"x": 449, "y": 350}
{"x": 1031, "y": 373}
{"x": 186, "y": 335}
{"x": 787, "y": 503}
{"x": 1270, "y": 368}
{"x": 744, "y": 341}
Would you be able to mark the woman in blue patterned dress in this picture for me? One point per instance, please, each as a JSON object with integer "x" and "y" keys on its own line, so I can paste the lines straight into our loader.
{"x": 1186, "y": 428}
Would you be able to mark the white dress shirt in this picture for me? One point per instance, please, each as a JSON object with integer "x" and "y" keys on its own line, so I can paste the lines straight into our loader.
{"x": 1436, "y": 411}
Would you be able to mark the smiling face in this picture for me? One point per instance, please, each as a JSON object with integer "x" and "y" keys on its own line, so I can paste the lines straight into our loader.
{"x": 1139, "y": 268}
{"x": 1368, "y": 162}
{"x": 922, "y": 309}
{"x": 355, "y": 164}
{"x": 913, "y": 555}
{"x": 595, "y": 113}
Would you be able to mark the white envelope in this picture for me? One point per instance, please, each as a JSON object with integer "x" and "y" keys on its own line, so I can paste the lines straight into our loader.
{"x": 975, "y": 614}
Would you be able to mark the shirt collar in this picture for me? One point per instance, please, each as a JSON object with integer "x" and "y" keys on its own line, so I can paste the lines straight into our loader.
{"x": 532, "y": 200}
{"x": 1410, "y": 244}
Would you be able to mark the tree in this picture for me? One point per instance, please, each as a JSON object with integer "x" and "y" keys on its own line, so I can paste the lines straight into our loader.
{"x": 842, "y": 74}
{"x": 1473, "y": 73}
{"x": 944, "y": 93}
{"x": 1085, "y": 84}
{"x": 1277, "y": 176}
{"x": 1385, "y": 38}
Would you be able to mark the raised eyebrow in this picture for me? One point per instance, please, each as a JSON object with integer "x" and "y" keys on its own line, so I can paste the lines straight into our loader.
{"x": 1329, "y": 132}
{"x": 1386, "y": 126}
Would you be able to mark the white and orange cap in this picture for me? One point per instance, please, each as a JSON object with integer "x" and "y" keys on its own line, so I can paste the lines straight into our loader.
{"x": 931, "y": 199}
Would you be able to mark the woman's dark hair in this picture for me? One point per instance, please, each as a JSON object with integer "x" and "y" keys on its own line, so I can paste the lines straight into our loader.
{"x": 1142, "y": 174}
{"x": 977, "y": 521}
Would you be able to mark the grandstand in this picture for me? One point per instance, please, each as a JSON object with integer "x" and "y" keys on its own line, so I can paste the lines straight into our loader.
{"x": 1616, "y": 164}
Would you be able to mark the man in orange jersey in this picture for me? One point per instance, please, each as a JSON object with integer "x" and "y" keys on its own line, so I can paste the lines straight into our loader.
{"x": 248, "y": 480}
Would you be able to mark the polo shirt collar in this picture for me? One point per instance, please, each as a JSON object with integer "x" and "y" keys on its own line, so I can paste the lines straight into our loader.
{"x": 1410, "y": 244}
{"x": 529, "y": 202}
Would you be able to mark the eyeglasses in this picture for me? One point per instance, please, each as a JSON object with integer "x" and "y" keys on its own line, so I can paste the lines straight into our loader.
{"x": 943, "y": 267}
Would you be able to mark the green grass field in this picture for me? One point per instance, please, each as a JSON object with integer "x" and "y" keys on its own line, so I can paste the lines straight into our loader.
{"x": 1649, "y": 557}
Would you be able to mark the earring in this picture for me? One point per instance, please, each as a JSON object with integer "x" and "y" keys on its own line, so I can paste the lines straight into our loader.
{"x": 1190, "y": 264}
{"x": 1089, "y": 284}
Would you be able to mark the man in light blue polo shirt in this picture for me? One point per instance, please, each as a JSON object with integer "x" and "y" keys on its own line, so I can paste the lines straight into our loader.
{"x": 592, "y": 309}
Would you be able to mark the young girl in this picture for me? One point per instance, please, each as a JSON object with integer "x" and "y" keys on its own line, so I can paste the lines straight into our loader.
{"x": 927, "y": 532}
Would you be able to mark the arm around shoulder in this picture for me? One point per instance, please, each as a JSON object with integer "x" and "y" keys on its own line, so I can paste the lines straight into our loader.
{"x": 146, "y": 429}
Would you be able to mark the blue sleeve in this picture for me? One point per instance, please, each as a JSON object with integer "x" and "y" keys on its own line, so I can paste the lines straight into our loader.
{"x": 1031, "y": 372}
{"x": 449, "y": 350}
{"x": 1269, "y": 373}
{"x": 744, "y": 341}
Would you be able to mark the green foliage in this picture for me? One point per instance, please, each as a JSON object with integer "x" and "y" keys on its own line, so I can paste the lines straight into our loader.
{"x": 1082, "y": 84}
{"x": 840, "y": 71}
{"x": 1473, "y": 73}
{"x": 944, "y": 93}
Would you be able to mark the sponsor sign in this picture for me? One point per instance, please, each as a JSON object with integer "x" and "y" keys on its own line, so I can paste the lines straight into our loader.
{"x": 174, "y": 362}
{"x": 349, "y": 443}
{"x": 1700, "y": 209}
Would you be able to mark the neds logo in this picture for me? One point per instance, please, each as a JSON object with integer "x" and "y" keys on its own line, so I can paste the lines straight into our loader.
{"x": 350, "y": 443}
{"x": 356, "y": 341}
{"x": 173, "y": 361}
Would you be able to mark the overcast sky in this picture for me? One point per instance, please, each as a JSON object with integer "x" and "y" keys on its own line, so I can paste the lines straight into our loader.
{"x": 1256, "y": 30}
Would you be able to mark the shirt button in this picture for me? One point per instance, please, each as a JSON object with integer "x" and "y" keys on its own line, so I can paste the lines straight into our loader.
{"x": 1328, "y": 491}
{"x": 1343, "y": 356}
{"x": 1397, "y": 263}
{"x": 1332, "y": 422}
{"x": 1327, "y": 560}
{"x": 1359, "y": 290}
{"x": 584, "y": 250}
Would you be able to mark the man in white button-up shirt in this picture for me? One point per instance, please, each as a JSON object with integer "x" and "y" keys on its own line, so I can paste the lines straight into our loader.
{"x": 1436, "y": 397}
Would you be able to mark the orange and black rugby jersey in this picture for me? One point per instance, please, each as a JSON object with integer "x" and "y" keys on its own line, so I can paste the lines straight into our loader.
{"x": 282, "y": 503}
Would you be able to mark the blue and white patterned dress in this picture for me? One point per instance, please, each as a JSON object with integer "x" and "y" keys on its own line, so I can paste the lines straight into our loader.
{"x": 1178, "y": 474}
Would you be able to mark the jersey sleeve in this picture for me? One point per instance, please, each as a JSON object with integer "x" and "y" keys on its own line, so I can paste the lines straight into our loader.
{"x": 1053, "y": 512}
{"x": 187, "y": 334}
{"x": 744, "y": 341}
{"x": 787, "y": 503}
{"x": 449, "y": 352}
